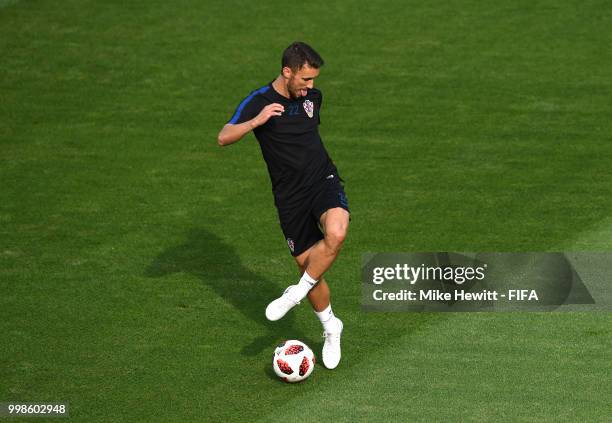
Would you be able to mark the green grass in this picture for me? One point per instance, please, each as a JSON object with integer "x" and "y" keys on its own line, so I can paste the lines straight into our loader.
{"x": 137, "y": 257}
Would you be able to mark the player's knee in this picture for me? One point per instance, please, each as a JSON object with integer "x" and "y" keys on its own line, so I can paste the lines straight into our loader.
{"x": 334, "y": 238}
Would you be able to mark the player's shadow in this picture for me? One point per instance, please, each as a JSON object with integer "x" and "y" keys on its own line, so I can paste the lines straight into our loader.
{"x": 218, "y": 265}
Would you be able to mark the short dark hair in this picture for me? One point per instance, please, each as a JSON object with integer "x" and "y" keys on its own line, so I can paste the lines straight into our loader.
{"x": 299, "y": 54}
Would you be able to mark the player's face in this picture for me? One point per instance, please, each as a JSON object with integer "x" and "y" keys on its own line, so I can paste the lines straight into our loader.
{"x": 301, "y": 80}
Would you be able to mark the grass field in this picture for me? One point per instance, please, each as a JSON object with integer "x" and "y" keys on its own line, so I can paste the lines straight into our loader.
{"x": 137, "y": 257}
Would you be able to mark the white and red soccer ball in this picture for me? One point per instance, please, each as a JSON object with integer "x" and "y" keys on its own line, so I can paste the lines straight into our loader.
{"x": 293, "y": 361}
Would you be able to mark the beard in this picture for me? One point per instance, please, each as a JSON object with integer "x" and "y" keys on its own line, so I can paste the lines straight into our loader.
{"x": 295, "y": 92}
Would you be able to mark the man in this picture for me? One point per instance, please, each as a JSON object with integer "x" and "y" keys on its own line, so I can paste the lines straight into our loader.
{"x": 311, "y": 203}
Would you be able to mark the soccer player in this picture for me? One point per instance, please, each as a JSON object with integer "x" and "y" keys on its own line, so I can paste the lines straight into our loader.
{"x": 308, "y": 194}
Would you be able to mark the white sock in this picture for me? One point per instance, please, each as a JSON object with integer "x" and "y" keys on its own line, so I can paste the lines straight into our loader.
{"x": 327, "y": 318}
{"x": 306, "y": 283}
{"x": 308, "y": 280}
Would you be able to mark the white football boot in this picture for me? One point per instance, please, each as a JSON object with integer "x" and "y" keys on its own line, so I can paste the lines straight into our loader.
{"x": 331, "y": 347}
{"x": 280, "y": 306}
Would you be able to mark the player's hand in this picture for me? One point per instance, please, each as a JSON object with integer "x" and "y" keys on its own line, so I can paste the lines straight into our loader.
{"x": 274, "y": 109}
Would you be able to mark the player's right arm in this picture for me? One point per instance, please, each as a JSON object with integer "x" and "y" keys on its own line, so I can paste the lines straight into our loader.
{"x": 233, "y": 132}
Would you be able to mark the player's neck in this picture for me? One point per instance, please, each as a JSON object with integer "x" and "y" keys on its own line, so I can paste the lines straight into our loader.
{"x": 280, "y": 86}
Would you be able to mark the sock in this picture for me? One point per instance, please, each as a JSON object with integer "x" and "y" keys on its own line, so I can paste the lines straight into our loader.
{"x": 307, "y": 279}
{"x": 306, "y": 283}
{"x": 327, "y": 318}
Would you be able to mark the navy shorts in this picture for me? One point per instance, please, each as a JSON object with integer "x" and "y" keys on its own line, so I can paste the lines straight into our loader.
{"x": 301, "y": 225}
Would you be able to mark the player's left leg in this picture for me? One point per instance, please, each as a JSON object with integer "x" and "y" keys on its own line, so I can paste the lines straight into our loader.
{"x": 322, "y": 255}
{"x": 335, "y": 224}
{"x": 319, "y": 297}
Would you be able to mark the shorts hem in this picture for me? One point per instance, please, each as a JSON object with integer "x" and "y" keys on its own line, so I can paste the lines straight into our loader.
{"x": 306, "y": 247}
{"x": 339, "y": 206}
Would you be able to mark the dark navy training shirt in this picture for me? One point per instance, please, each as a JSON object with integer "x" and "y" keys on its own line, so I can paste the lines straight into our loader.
{"x": 291, "y": 146}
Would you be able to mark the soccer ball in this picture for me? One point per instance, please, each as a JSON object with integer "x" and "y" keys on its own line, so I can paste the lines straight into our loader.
{"x": 293, "y": 361}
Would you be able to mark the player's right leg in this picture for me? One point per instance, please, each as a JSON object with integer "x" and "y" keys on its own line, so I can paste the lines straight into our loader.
{"x": 319, "y": 295}
{"x": 294, "y": 294}
{"x": 301, "y": 232}
{"x": 317, "y": 258}
{"x": 314, "y": 251}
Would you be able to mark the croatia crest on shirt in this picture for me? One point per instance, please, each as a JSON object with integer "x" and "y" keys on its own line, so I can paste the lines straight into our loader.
{"x": 309, "y": 107}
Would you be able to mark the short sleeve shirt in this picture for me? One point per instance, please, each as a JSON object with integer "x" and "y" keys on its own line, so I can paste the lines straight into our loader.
{"x": 291, "y": 145}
